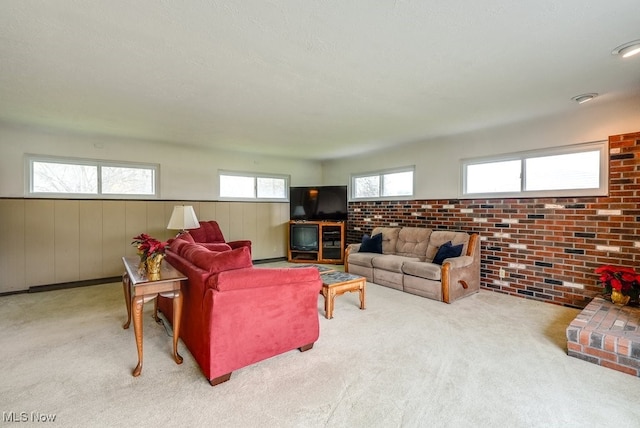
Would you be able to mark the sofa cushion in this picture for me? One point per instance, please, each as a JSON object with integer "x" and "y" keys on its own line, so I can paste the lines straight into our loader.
{"x": 217, "y": 247}
{"x": 371, "y": 244}
{"x": 186, "y": 236}
{"x": 389, "y": 238}
{"x": 209, "y": 231}
{"x": 413, "y": 242}
{"x": 216, "y": 262}
{"x": 188, "y": 251}
{"x": 446, "y": 251}
{"x": 391, "y": 262}
{"x": 176, "y": 245}
{"x": 423, "y": 270}
{"x": 439, "y": 237}
{"x": 362, "y": 259}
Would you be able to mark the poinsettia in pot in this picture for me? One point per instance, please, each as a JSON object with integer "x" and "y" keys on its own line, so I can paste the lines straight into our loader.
{"x": 623, "y": 283}
{"x": 151, "y": 252}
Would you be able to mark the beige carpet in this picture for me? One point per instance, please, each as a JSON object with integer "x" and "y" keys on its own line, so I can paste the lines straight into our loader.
{"x": 489, "y": 360}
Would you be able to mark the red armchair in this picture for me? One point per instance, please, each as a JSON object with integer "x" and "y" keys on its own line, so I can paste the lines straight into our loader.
{"x": 209, "y": 232}
{"x": 234, "y": 314}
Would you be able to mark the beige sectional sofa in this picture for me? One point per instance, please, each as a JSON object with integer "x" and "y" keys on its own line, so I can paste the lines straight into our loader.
{"x": 406, "y": 262}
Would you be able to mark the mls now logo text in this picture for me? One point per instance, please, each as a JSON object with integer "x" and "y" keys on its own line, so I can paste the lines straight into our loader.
{"x": 27, "y": 417}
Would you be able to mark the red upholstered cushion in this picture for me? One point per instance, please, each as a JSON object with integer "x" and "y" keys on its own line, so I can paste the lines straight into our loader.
{"x": 262, "y": 277}
{"x": 209, "y": 231}
{"x": 218, "y": 246}
{"x": 216, "y": 262}
{"x": 188, "y": 251}
{"x": 186, "y": 236}
{"x": 176, "y": 245}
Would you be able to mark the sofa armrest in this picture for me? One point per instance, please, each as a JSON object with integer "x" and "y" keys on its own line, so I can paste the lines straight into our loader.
{"x": 461, "y": 275}
{"x": 241, "y": 243}
{"x": 262, "y": 277}
{"x": 459, "y": 262}
{"x": 353, "y": 248}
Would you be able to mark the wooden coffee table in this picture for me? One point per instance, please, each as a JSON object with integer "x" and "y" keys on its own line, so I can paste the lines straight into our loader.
{"x": 139, "y": 289}
{"x": 335, "y": 283}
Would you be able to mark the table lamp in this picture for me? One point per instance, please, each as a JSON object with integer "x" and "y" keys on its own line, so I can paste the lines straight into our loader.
{"x": 182, "y": 218}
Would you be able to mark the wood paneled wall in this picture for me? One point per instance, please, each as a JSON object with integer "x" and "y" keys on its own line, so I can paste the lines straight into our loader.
{"x": 53, "y": 241}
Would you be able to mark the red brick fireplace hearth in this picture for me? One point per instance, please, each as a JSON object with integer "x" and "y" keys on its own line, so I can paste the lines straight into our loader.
{"x": 607, "y": 335}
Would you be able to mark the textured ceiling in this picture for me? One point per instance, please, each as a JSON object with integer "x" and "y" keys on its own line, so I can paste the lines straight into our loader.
{"x": 312, "y": 79}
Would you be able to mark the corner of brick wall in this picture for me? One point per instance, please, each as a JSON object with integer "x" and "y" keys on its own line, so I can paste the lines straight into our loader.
{"x": 548, "y": 247}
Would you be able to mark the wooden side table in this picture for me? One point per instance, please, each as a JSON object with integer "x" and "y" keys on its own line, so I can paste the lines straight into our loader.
{"x": 139, "y": 289}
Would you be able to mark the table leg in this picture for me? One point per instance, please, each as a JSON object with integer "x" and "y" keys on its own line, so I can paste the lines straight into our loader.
{"x": 177, "y": 316}
{"x": 329, "y": 303}
{"x": 325, "y": 295}
{"x": 155, "y": 311}
{"x": 138, "y": 304}
{"x": 126, "y": 285}
{"x": 362, "y": 294}
{"x": 324, "y": 291}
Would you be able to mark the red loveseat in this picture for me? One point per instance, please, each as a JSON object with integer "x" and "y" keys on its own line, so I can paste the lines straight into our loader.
{"x": 235, "y": 314}
{"x": 209, "y": 233}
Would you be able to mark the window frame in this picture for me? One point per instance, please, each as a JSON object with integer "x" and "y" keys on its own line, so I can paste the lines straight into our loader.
{"x": 602, "y": 190}
{"x": 30, "y": 159}
{"x": 255, "y": 176}
{"x": 380, "y": 174}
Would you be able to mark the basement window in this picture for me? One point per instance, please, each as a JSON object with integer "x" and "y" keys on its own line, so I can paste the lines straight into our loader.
{"x": 50, "y": 176}
{"x": 387, "y": 184}
{"x": 579, "y": 170}
{"x": 253, "y": 186}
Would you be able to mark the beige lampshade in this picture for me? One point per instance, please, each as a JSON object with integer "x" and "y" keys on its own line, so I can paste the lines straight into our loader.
{"x": 183, "y": 217}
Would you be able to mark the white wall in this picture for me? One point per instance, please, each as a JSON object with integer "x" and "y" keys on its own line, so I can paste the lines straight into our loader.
{"x": 71, "y": 240}
{"x": 190, "y": 173}
{"x": 437, "y": 161}
{"x": 186, "y": 173}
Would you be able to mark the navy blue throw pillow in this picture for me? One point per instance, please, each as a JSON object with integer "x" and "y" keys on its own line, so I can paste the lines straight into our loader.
{"x": 447, "y": 250}
{"x": 371, "y": 244}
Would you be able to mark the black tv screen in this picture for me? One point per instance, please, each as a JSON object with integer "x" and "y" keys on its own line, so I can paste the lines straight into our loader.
{"x": 304, "y": 237}
{"x": 318, "y": 203}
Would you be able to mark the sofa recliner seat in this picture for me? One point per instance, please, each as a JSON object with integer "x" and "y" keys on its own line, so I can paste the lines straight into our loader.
{"x": 406, "y": 262}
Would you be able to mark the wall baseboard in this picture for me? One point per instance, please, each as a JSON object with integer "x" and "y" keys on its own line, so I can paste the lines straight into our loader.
{"x": 98, "y": 281}
{"x": 263, "y": 261}
{"x": 73, "y": 284}
{"x": 64, "y": 285}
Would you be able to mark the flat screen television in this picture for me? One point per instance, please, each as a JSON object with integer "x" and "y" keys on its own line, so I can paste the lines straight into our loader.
{"x": 318, "y": 203}
{"x": 303, "y": 237}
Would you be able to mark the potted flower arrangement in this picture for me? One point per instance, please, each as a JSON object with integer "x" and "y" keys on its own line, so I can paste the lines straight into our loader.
{"x": 151, "y": 252}
{"x": 623, "y": 283}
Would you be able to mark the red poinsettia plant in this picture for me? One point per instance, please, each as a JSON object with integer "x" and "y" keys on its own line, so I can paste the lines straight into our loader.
{"x": 620, "y": 278}
{"x": 147, "y": 246}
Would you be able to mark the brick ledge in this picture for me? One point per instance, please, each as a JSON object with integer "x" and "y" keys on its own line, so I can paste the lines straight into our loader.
{"x": 607, "y": 335}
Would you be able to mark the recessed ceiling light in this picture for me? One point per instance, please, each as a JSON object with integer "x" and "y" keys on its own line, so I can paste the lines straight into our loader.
{"x": 628, "y": 49}
{"x": 580, "y": 99}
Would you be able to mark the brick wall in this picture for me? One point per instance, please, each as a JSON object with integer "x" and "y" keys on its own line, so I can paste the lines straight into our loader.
{"x": 547, "y": 247}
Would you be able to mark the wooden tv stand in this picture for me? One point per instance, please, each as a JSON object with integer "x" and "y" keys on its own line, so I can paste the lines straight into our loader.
{"x": 330, "y": 243}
